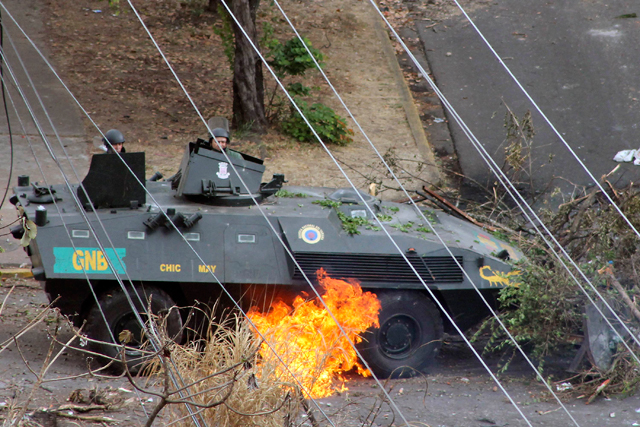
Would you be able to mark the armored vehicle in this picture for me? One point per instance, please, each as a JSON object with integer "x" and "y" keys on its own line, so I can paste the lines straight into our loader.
{"x": 150, "y": 238}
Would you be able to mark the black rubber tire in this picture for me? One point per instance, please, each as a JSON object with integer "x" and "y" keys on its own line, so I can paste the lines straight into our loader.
{"x": 409, "y": 337}
{"x": 120, "y": 316}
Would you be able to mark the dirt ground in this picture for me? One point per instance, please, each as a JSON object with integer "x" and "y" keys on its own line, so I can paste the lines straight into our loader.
{"x": 124, "y": 83}
{"x": 456, "y": 392}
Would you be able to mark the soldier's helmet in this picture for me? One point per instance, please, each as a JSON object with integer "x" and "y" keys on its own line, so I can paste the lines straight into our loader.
{"x": 114, "y": 136}
{"x": 220, "y": 132}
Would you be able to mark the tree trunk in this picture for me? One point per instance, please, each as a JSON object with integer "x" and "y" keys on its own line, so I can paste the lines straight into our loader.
{"x": 213, "y": 6}
{"x": 248, "y": 88}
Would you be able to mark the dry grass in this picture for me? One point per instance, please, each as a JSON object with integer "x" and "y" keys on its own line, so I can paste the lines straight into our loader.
{"x": 231, "y": 385}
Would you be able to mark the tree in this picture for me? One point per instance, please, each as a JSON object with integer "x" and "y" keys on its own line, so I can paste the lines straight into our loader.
{"x": 248, "y": 84}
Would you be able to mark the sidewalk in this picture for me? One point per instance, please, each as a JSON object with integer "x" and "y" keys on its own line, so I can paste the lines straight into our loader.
{"x": 63, "y": 113}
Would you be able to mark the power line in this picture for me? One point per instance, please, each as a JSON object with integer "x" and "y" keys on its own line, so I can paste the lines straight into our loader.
{"x": 419, "y": 212}
{"x": 354, "y": 187}
{"x": 6, "y": 112}
{"x": 544, "y": 116}
{"x": 504, "y": 179}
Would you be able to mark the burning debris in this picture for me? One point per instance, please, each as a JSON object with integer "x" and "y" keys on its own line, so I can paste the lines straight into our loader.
{"x": 307, "y": 338}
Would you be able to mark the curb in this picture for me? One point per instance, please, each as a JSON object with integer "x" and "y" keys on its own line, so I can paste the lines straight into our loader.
{"x": 16, "y": 272}
{"x": 408, "y": 103}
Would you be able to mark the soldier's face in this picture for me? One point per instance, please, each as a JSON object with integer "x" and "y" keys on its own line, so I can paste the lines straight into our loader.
{"x": 117, "y": 147}
{"x": 222, "y": 141}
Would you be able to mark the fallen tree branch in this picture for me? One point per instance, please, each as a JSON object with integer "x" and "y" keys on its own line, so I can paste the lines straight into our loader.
{"x": 80, "y": 408}
{"x": 94, "y": 418}
{"x": 455, "y": 209}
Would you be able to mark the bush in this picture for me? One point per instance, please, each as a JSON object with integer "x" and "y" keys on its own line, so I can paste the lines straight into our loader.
{"x": 329, "y": 126}
{"x": 541, "y": 313}
{"x": 292, "y": 58}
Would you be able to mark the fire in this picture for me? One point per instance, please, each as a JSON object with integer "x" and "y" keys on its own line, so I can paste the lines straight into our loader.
{"x": 307, "y": 338}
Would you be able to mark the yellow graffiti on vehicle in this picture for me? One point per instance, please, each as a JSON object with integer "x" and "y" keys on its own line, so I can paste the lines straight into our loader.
{"x": 499, "y": 278}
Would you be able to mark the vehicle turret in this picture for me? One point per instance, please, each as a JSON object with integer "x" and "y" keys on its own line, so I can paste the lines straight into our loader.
{"x": 206, "y": 177}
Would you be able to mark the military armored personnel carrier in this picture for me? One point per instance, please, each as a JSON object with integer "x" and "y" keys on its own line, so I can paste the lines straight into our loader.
{"x": 322, "y": 227}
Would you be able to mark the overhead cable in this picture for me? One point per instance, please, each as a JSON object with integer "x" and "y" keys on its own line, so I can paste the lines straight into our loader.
{"x": 421, "y": 214}
{"x": 92, "y": 230}
{"x": 546, "y": 119}
{"x": 517, "y": 197}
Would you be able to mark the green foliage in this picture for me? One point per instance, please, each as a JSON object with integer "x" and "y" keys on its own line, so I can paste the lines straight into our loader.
{"x": 384, "y": 218}
{"x": 330, "y": 127}
{"x": 405, "y": 228}
{"x": 546, "y": 309}
{"x": 349, "y": 224}
{"x": 291, "y": 58}
{"x": 326, "y": 203}
{"x": 424, "y": 229}
{"x": 429, "y": 215}
{"x": 298, "y": 89}
{"x": 114, "y": 5}
{"x": 285, "y": 193}
{"x": 225, "y": 32}
{"x": 500, "y": 234}
{"x": 393, "y": 208}
{"x": 267, "y": 40}
{"x": 540, "y": 313}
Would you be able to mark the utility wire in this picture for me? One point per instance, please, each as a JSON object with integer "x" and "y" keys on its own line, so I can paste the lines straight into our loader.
{"x": 64, "y": 224}
{"x": 522, "y": 204}
{"x": 546, "y": 119}
{"x": 275, "y": 232}
{"x": 102, "y": 248}
{"x": 369, "y": 209}
{"x": 6, "y": 112}
{"x": 156, "y": 204}
{"x": 420, "y": 213}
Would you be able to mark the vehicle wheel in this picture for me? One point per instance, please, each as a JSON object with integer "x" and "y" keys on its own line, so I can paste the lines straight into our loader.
{"x": 120, "y": 317}
{"x": 409, "y": 337}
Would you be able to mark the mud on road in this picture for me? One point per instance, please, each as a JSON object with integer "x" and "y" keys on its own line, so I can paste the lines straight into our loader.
{"x": 456, "y": 392}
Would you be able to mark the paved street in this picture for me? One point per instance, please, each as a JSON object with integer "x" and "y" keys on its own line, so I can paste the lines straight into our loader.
{"x": 578, "y": 60}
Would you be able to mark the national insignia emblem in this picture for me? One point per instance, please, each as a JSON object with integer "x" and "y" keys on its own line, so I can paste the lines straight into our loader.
{"x": 223, "y": 171}
{"x": 311, "y": 234}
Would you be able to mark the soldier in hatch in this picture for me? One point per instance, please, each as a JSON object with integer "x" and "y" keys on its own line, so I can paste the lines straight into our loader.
{"x": 223, "y": 140}
{"x": 220, "y": 143}
{"x": 114, "y": 141}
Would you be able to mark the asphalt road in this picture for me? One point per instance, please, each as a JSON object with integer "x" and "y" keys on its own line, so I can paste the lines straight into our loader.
{"x": 579, "y": 62}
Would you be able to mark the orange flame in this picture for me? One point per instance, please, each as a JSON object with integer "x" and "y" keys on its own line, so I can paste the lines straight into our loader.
{"x": 307, "y": 338}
